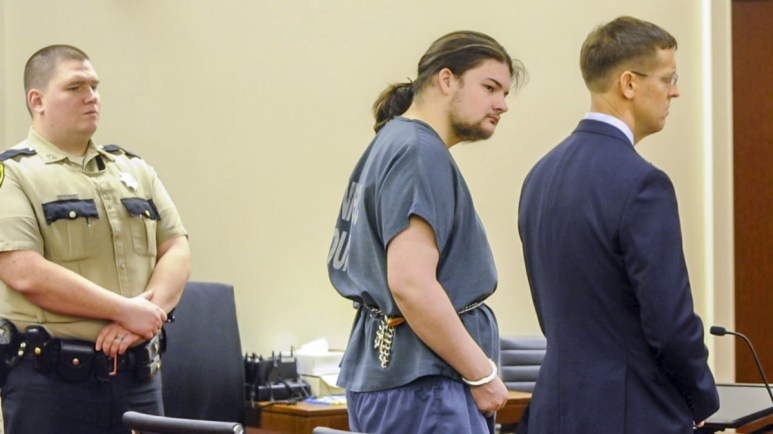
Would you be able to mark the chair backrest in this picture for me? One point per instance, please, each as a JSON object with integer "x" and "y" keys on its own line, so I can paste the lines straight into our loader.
{"x": 202, "y": 368}
{"x": 172, "y": 425}
{"x": 521, "y": 357}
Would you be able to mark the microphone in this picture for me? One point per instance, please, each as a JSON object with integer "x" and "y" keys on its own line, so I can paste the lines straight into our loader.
{"x": 721, "y": 331}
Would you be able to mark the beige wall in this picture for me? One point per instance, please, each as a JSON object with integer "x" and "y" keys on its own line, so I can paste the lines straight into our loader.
{"x": 254, "y": 113}
{"x": 3, "y": 49}
{"x": 722, "y": 268}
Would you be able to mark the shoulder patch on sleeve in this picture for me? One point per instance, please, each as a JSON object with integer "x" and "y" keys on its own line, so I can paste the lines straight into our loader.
{"x": 12, "y": 153}
{"x": 115, "y": 149}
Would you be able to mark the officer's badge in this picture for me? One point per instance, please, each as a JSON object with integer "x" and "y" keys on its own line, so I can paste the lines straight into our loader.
{"x": 129, "y": 181}
{"x": 2, "y": 173}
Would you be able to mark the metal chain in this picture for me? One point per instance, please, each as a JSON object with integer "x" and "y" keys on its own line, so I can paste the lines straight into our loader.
{"x": 385, "y": 335}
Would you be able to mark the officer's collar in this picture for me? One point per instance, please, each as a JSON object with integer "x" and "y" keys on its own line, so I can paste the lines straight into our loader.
{"x": 51, "y": 153}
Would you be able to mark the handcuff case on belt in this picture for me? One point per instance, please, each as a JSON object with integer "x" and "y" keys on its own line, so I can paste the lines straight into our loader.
{"x": 75, "y": 361}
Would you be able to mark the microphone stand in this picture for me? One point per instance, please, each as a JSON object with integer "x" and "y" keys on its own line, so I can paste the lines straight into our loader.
{"x": 721, "y": 331}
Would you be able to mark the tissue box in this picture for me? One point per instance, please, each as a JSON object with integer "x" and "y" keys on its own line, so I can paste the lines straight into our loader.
{"x": 318, "y": 364}
{"x": 323, "y": 385}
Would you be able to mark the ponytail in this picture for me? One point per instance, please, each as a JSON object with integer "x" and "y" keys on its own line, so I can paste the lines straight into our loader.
{"x": 393, "y": 101}
{"x": 459, "y": 52}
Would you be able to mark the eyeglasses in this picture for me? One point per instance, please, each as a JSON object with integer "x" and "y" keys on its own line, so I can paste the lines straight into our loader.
{"x": 670, "y": 80}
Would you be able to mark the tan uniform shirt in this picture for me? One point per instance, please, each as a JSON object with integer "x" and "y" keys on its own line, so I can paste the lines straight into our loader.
{"x": 103, "y": 218}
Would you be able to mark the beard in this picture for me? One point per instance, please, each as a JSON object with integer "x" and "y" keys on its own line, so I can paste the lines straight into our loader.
{"x": 467, "y": 131}
{"x": 463, "y": 129}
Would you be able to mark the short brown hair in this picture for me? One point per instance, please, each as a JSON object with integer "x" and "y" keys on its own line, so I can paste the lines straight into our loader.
{"x": 623, "y": 40}
{"x": 458, "y": 51}
{"x": 41, "y": 66}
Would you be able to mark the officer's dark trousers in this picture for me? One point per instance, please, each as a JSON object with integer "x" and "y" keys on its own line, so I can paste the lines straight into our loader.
{"x": 36, "y": 403}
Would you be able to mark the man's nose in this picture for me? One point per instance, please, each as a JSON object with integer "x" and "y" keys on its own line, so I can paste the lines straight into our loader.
{"x": 501, "y": 105}
{"x": 674, "y": 91}
{"x": 92, "y": 94}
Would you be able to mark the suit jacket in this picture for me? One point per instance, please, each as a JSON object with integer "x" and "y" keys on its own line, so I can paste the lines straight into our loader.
{"x": 603, "y": 251}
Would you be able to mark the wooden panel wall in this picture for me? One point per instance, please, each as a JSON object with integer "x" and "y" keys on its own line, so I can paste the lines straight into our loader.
{"x": 753, "y": 182}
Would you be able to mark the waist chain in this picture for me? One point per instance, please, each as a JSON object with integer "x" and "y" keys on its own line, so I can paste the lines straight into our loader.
{"x": 385, "y": 335}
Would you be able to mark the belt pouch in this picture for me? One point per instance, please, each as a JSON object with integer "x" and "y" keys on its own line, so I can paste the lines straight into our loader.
{"x": 39, "y": 345}
{"x": 75, "y": 361}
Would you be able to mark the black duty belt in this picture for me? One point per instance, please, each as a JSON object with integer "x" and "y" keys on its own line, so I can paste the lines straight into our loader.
{"x": 77, "y": 360}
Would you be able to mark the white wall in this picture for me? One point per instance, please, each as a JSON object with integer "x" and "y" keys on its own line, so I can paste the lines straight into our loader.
{"x": 254, "y": 113}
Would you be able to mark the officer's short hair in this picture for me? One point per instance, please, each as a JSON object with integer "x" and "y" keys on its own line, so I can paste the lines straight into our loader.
{"x": 41, "y": 66}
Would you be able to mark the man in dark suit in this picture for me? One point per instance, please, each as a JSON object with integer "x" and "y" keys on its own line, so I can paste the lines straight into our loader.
{"x": 603, "y": 250}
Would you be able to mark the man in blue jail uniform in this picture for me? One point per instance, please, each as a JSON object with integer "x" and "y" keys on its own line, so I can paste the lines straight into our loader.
{"x": 411, "y": 252}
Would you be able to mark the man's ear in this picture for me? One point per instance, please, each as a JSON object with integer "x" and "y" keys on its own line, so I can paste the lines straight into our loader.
{"x": 35, "y": 101}
{"x": 446, "y": 81}
{"x": 627, "y": 85}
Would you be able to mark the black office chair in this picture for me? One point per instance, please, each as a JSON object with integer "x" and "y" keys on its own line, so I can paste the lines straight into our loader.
{"x": 171, "y": 425}
{"x": 520, "y": 360}
{"x": 202, "y": 368}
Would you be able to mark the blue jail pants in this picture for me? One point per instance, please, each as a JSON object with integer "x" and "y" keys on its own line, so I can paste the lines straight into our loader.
{"x": 429, "y": 405}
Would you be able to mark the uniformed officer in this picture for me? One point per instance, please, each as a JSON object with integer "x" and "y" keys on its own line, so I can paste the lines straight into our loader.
{"x": 93, "y": 256}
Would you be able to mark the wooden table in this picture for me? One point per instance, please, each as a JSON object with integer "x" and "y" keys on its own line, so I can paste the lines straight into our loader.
{"x": 757, "y": 425}
{"x": 301, "y": 418}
